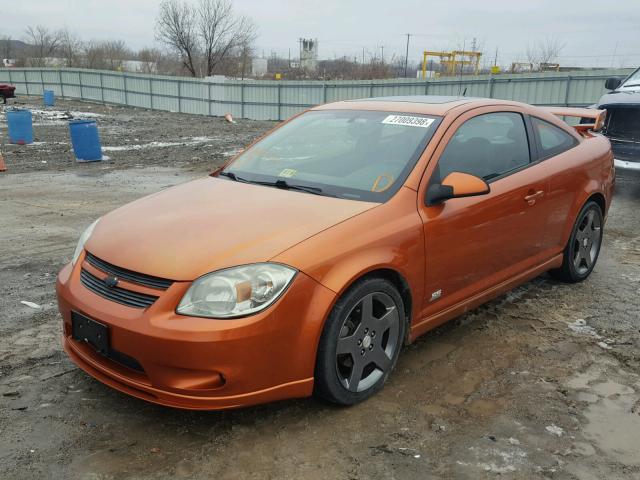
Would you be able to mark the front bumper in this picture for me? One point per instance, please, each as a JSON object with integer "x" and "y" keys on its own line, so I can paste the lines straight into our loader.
{"x": 197, "y": 363}
{"x": 626, "y": 154}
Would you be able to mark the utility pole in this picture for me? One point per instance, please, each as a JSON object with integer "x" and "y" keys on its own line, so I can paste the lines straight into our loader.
{"x": 382, "y": 54}
{"x": 406, "y": 57}
{"x": 362, "y": 55}
{"x": 495, "y": 61}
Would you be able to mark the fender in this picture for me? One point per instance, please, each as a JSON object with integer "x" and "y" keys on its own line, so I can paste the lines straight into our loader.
{"x": 600, "y": 183}
{"x": 366, "y": 248}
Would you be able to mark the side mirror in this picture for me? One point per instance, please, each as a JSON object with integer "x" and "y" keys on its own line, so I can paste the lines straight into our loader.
{"x": 456, "y": 185}
{"x": 612, "y": 83}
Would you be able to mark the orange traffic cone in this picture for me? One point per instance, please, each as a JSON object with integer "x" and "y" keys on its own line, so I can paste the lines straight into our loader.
{"x": 3, "y": 166}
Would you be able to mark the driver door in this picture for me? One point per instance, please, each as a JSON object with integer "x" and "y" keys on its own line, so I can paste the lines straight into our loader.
{"x": 475, "y": 243}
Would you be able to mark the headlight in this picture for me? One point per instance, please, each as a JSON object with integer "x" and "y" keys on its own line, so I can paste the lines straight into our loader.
{"x": 236, "y": 291}
{"x": 83, "y": 239}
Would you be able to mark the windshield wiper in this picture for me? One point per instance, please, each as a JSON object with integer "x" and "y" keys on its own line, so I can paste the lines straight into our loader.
{"x": 232, "y": 176}
{"x": 283, "y": 184}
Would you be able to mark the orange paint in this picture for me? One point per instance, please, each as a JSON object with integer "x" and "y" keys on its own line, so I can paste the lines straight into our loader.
{"x": 469, "y": 249}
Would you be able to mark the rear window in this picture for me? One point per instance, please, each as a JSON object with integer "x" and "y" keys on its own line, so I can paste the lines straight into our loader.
{"x": 551, "y": 139}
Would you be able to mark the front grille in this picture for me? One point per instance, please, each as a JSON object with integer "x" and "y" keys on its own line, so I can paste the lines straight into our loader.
{"x": 627, "y": 151}
{"x": 623, "y": 123}
{"x": 116, "y": 294}
{"x": 128, "y": 275}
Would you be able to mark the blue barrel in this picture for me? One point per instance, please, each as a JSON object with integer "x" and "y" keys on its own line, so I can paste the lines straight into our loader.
{"x": 20, "y": 123}
{"x": 49, "y": 98}
{"x": 85, "y": 140}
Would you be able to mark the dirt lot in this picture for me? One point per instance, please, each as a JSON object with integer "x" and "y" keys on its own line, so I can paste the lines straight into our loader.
{"x": 130, "y": 138}
{"x": 541, "y": 383}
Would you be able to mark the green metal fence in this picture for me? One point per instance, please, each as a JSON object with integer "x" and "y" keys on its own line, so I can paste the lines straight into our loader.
{"x": 277, "y": 100}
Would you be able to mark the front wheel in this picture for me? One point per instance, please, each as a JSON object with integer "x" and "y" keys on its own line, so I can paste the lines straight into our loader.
{"x": 360, "y": 342}
{"x": 583, "y": 248}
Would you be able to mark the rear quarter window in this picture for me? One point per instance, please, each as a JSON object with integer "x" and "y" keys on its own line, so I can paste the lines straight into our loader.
{"x": 551, "y": 139}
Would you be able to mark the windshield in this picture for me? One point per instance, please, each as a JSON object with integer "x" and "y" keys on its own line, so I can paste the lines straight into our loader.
{"x": 354, "y": 154}
{"x": 633, "y": 80}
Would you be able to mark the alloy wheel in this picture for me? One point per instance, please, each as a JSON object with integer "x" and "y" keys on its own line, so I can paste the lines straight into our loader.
{"x": 587, "y": 242}
{"x": 367, "y": 342}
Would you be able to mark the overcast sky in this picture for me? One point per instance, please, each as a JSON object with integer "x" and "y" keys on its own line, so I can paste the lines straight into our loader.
{"x": 595, "y": 32}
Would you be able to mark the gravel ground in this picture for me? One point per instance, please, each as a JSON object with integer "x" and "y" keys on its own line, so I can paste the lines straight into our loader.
{"x": 130, "y": 137}
{"x": 543, "y": 382}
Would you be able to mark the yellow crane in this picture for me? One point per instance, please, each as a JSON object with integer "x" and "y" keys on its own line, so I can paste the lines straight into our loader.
{"x": 453, "y": 60}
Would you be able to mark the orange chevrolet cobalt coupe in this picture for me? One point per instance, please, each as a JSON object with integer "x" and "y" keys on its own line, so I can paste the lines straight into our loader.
{"x": 305, "y": 264}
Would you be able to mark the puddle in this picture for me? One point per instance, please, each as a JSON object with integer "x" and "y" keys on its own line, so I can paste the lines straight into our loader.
{"x": 607, "y": 389}
{"x": 612, "y": 425}
{"x": 583, "y": 379}
{"x": 614, "y": 428}
{"x": 587, "y": 397}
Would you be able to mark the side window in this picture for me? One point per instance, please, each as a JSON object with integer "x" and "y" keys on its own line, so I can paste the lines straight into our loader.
{"x": 552, "y": 140}
{"x": 487, "y": 146}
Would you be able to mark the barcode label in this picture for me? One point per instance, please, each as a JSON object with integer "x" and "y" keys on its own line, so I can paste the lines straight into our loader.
{"x": 408, "y": 121}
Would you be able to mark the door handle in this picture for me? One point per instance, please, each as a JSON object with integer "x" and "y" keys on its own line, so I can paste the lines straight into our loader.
{"x": 533, "y": 196}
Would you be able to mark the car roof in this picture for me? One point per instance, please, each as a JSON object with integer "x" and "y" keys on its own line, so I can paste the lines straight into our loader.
{"x": 422, "y": 104}
{"x": 429, "y": 99}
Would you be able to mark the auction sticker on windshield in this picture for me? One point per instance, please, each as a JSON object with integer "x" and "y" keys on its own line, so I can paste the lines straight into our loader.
{"x": 288, "y": 172}
{"x": 408, "y": 121}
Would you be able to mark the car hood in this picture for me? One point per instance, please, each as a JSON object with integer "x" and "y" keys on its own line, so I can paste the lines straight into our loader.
{"x": 623, "y": 97}
{"x": 186, "y": 231}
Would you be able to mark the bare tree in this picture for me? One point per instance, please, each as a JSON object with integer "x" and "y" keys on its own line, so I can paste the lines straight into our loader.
{"x": 151, "y": 60}
{"x": 6, "y": 47}
{"x": 210, "y": 32}
{"x": 93, "y": 54}
{"x": 70, "y": 48}
{"x": 107, "y": 55}
{"x": 246, "y": 53}
{"x": 115, "y": 53}
{"x": 220, "y": 31}
{"x": 44, "y": 43}
{"x": 544, "y": 51}
{"x": 176, "y": 27}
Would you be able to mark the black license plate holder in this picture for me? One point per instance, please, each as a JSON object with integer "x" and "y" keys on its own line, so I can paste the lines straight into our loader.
{"x": 83, "y": 329}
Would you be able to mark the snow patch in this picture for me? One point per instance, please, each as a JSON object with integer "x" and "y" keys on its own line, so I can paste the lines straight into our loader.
{"x": 63, "y": 115}
{"x": 555, "y": 430}
{"x": 580, "y": 326}
{"x": 144, "y": 146}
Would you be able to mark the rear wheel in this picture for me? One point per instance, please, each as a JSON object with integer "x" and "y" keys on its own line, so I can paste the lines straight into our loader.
{"x": 360, "y": 342}
{"x": 583, "y": 248}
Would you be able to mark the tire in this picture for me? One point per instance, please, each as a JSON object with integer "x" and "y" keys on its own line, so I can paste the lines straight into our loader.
{"x": 582, "y": 249}
{"x": 360, "y": 342}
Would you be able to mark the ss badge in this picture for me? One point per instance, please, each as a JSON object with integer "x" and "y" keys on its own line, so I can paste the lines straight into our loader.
{"x": 436, "y": 295}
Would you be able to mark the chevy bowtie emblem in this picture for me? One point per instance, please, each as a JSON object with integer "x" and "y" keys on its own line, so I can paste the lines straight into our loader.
{"x": 111, "y": 281}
